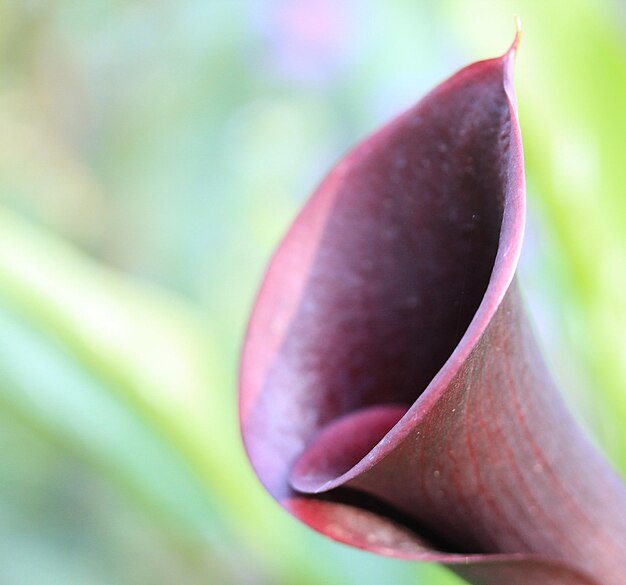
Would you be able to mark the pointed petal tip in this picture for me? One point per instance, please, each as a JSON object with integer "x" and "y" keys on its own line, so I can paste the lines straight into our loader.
{"x": 509, "y": 55}
{"x": 518, "y": 35}
{"x": 508, "y": 60}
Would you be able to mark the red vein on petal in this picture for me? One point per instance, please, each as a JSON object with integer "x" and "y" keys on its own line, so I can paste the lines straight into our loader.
{"x": 461, "y": 496}
{"x": 545, "y": 464}
{"x": 513, "y": 465}
{"x": 489, "y": 500}
{"x": 422, "y": 476}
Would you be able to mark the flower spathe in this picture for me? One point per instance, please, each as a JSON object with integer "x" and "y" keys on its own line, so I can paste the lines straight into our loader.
{"x": 392, "y": 394}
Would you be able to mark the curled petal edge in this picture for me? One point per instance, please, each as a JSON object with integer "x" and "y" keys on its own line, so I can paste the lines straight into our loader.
{"x": 327, "y": 495}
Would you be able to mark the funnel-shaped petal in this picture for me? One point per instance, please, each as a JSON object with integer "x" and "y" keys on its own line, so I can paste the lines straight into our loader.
{"x": 392, "y": 395}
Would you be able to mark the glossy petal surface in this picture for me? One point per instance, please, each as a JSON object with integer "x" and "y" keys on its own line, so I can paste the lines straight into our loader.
{"x": 392, "y": 394}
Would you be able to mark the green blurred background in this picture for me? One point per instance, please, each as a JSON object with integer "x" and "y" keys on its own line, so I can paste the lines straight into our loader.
{"x": 152, "y": 152}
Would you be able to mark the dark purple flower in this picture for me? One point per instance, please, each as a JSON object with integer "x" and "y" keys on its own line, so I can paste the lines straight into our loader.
{"x": 392, "y": 394}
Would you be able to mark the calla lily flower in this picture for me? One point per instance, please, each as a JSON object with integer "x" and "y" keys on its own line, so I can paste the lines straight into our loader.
{"x": 392, "y": 394}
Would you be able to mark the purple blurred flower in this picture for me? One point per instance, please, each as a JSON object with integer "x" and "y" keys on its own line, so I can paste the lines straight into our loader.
{"x": 310, "y": 40}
